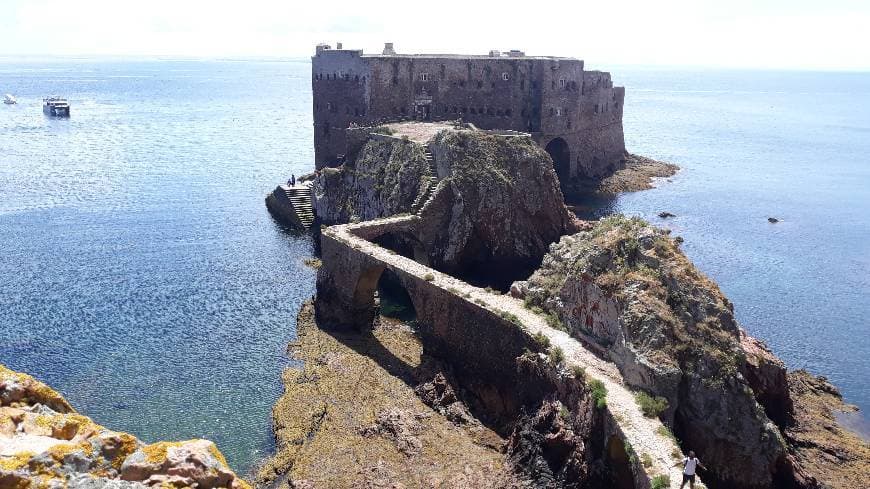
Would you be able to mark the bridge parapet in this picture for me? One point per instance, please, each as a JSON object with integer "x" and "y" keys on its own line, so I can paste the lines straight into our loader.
{"x": 482, "y": 334}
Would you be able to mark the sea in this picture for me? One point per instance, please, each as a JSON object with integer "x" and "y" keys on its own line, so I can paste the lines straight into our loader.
{"x": 143, "y": 278}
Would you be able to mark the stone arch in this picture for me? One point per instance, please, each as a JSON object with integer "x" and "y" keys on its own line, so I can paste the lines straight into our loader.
{"x": 368, "y": 282}
{"x": 559, "y": 151}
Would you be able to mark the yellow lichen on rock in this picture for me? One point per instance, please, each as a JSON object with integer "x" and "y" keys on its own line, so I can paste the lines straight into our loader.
{"x": 45, "y": 443}
{"x": 15, "y": 461}
{"x": 36, "y": 391}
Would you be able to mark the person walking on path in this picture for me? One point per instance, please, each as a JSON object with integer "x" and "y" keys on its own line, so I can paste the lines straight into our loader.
{"x": 690, "y": 465}
{"x": 293, "y": 179}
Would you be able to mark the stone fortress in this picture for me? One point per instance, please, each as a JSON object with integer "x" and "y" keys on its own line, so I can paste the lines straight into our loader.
{"x": 575, "y": 114}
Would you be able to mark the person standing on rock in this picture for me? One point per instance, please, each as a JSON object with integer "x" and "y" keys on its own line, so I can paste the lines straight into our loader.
{"x": 690, "y": 465}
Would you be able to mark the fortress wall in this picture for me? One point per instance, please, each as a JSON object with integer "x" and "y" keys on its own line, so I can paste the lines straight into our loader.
{"x": 340, "y": 87}
{"x": 548, "y": 97}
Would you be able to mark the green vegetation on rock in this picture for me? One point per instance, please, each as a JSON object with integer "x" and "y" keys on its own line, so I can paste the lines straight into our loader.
{"x": 598, "y": 392}
{"x": 651, "y": 406}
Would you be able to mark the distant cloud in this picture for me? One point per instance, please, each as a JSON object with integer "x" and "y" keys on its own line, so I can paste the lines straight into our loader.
{"x": 799, "y": 34}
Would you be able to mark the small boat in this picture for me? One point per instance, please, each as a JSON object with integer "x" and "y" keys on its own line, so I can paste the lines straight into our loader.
{"x": 55, "y": 107}
{"x": 9, "y": 100}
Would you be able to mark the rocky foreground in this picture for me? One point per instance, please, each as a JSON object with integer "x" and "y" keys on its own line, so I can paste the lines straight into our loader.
{"x": 370, "y": 410}
{"x": 45, "y": 443}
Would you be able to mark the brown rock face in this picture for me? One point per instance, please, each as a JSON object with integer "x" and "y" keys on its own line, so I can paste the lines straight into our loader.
{"x": 496, "y": 203}
{"x": 822, "y": 454}
{"x": 503, "y": 205}
{"x": 383, "y": 180}
{"x": 768, "y": 378}
{"x": 625, "y": 288}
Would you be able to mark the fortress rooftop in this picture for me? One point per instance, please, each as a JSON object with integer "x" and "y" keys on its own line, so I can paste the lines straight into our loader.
{"x": 389, "y": 52}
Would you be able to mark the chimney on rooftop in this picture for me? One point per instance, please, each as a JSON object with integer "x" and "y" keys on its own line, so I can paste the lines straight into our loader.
{"x": 338, "y": 45}
{"x": 388, "y": 48}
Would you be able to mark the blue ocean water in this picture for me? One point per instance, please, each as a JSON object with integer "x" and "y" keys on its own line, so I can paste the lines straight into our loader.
{"x": 141, "y": 275}
{"x": 753, "y": 145}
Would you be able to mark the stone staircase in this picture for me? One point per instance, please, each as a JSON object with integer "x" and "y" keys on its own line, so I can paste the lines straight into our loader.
{"x": 428, "y": 183}
{"x": 300, "y": 197}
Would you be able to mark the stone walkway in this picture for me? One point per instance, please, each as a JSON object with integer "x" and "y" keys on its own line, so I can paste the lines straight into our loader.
{"x": 646, "y": 436}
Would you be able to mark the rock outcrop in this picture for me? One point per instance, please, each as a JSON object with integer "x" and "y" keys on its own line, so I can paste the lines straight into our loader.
{"x": 45, "y": 443}
{"x": 383, "y": 180}
{"x": 502, "y": 204}
{"x": 626, "y": 289}
{"x": 495, "y": 204}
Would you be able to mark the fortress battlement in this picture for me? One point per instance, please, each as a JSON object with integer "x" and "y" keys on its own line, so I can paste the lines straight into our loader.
{"x": 574, "y": 113}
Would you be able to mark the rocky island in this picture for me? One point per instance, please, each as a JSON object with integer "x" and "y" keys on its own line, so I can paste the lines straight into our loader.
{"x": 533, "y": 349}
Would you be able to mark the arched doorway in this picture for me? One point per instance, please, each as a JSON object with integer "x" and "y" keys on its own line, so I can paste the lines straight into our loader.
{"x": 561, "y": 155}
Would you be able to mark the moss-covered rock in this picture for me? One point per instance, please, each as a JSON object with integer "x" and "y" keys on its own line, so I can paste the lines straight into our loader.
{"x": 383, "y": 180}
{"x": 503, "y": 206}
{"x": 626, "y": 288}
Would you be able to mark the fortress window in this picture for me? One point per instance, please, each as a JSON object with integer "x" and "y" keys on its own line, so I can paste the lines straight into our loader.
{"x": 615, "y": 105}
{"x": 364, "y": 79}
{"x": 552, "y": 111}
{"x": 505, "y": 77}
{"x": 553, "y": 84}
{"x": 558, "y": 111}
{"x": 596, "y": 108}
{"x": 328, "y": 104}
{"x": 522, "y": 84}
{"x": 424, "y": 76}
{"x": 561, "y": 83}
{"x": 443, "y": 72}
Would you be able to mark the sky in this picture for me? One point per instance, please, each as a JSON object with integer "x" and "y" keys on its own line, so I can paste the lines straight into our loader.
{"x": 767, "y": 34}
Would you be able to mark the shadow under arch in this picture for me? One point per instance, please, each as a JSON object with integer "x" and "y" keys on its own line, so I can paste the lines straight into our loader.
{"x": 559, "y": 151}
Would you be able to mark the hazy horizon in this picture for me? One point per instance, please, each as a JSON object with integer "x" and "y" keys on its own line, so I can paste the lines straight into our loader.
{"x": 775, "y": 35}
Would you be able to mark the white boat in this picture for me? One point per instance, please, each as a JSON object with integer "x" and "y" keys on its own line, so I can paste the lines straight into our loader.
{"x": 55, "y": 107}
{"x": 9, "y": 100}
